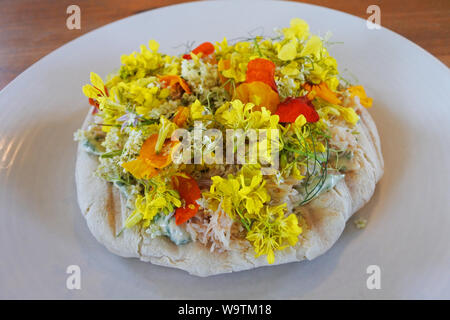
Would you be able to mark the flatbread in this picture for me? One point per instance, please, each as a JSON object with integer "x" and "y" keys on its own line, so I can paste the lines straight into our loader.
{"x": 104, "y": 209}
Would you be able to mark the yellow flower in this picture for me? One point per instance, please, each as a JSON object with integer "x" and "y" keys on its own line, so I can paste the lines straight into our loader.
{"x": 222, "y": 47}
{"x": 288, "y": 51}
{"x": 111, "y": 110}
{"x": 271, "y": 231}
{"x": 232, "y": 114}
{"x": 233, "y": 69}
{"x": 153, "y": 45}
{"x": 332, "y": 83}
{"x": 140, "y": 168}
{"x": 243, "y": 47}
{"x": 291, "y": 69}
{"x": 329, "y": 61}
{"x": 233, "y": 62}
{"x": 143, "y": 93}
{"x": 159, "y": 199}
{"x": 361, "y": 94}
{"x": 296, "y": 172}
{"x": 96, "y": 89}
{"x": 166, "y": 129}
{"x": 347, "y": 113}
{"x": 171, "y": 65}
{"x": 327, "y": 111}
{"x": 138, "y": 65}
{"x": 298, "y": 29}
{"x": 262, "y": 119}
{"x": 252, "y": 190}
{"x": 224, "y": 192}
{"x": 199, "y": 112}
{"x": 312, "y": 48}
{"x": 292, "y": 229}
{"x": 240, "y": 196}
{"x": 236, "y": 115}
{"x": 299, "y": 122}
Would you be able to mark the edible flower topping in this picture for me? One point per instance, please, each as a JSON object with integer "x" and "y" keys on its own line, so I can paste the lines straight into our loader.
{"x": 205, "y": 49}
{"x": 259, "y": 87}
{"x": 233, "y": 60}
{"x": 129, "y": 119}
{"x": 249, "y": 87}
{"x": 199, "y": 111}
{"x": 237, "y": 115}
{"x": 181, "y": 116}
{"x": 312, "y": 48}
{"x": 166, "y": 129}
{"x": 261, "y": 70}
{"x": 138, "y": 65}
{"x": 157, "y": 198}
{"x": 326, "y": 110}
{"x": 258, "y": 93}
{"x": 273, "y": 231}
{"x": 298, "y": 29}
{"x": 361, "y": 94}
{"x": 149, "y": 161}
{"x": 241, "y": 197}
{"x": 288, "y": 51}
{"x": 348, "y": 114}
{"x": 173, "y": 80}
{"x": 94, "y": 91}
{"x": 189, "y": 192}
{"x": 321, "y": 91}
{"x": 291, "y": 108}
{"x": 140, "y": 168}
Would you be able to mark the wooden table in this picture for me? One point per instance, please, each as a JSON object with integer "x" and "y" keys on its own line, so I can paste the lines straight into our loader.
{"x": 30, "y": 29}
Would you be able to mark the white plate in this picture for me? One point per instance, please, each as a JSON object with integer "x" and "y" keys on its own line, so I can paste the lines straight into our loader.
{"x": 42, "y": 231}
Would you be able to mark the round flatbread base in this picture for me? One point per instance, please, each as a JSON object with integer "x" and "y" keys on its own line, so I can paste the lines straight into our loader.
{"x": 104, "y": 209}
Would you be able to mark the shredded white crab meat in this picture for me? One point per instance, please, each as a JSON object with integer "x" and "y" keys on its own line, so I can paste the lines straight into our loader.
{"x": 215, "y": 228}
{"x": 283, "y": 193}
{"x": 342, "y": 138}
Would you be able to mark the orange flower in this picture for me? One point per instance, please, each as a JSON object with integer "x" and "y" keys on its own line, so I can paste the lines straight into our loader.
{"x": 181, "y": 116}
{"x": 161, "y": 159}
{"x": 172, "y": 80}
{"x": 149, "y": 161}
{"x": 321, "y": 91}
{"x": 189, "y": 191}
{"x": 291, "y": 108}
{"x": 259, "y": 87}
{"x": 261, "y": 70}
{"x": 206, "y": 48}
{"x": 258, "y": 93}
{"x": 361, "y": 93}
